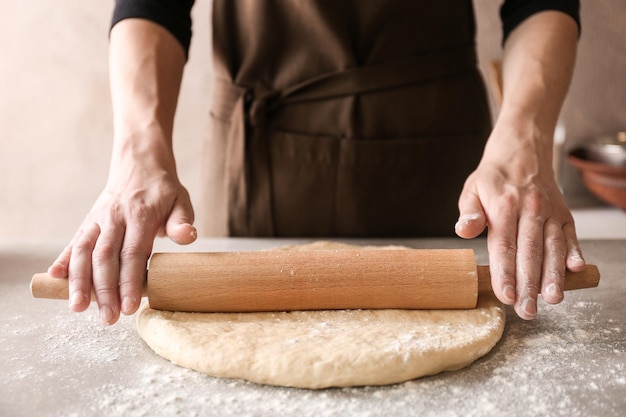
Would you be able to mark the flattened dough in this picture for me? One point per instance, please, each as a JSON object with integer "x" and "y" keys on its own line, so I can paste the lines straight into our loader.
{"x": 320, "y": 349}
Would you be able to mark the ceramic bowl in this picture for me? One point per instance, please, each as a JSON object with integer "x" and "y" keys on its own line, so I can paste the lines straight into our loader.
{"x": 608, "y": 149}
{"x": 606, "y": 180}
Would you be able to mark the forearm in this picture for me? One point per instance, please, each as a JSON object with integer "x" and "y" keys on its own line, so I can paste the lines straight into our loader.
{"x": 143, "y": 196}
{"x": 146, "y": 67}
{"x": 538, "y": 63}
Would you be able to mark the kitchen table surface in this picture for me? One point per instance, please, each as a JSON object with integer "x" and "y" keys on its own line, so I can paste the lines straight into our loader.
{"x": 570, "y": 361}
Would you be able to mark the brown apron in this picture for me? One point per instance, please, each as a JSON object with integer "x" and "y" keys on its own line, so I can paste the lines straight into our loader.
{"x": 342, "y": 117}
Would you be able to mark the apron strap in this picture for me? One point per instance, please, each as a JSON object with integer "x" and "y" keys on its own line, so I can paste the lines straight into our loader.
{"x": 249, "y": 106}
{"x": 358, "y": 80}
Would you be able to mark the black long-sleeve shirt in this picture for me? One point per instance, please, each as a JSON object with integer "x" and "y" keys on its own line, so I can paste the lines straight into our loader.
{"x": 174, "y": 15}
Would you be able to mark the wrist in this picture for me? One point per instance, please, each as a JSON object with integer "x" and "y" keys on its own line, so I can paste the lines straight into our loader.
{"x": 520, "y": 142}
{"x": 149, "y": 147}
{"x": 535, "y": 120}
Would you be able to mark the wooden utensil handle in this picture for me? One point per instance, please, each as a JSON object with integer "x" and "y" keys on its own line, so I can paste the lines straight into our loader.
{"x": 587, "y": 278}
{"x": 43, "y": 285}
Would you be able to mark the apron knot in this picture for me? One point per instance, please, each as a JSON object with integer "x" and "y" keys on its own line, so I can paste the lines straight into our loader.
{"x": 260, "y": 101}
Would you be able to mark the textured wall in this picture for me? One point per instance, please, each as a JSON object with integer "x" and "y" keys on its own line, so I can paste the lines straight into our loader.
{"x": 55, "y": 115}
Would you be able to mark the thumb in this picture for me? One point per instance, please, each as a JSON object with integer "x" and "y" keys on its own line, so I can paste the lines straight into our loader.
{"x": 472, "y": 219}
{"x": 179, "y": 226}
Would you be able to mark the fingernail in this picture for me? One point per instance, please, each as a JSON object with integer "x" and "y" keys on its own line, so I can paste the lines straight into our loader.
{"x": 106, "y": 315}
{"x": 76, "y": 298}
{"x": 530, "y": 307}
{"x": 509, "y": 293}
{"x": 128, "y": 303}
{"x": 576, "y": 257}
{"x": 553, "y": 290}
{"x": 465, "y": 219}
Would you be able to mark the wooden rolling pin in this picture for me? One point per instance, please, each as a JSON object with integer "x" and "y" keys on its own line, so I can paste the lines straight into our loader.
{"x": 313, "y": 280}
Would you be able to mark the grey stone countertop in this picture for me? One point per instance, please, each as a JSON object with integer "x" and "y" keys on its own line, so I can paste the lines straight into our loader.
{"x": 570, "y": 361}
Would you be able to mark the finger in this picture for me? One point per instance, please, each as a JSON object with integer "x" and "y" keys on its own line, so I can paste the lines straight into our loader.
{"x": 179, "y": 226}
{"x": 79, "y": 267}
{"x": 134, "y": 256}
{"x": 529, "y": 265}
{"x": 60, "y": 266}
{"x": 106, "y": 270}
{"x": 472, "y": 220}
{"x": 502, "y": 247}
{"x": 553, "y": 274}
{"x": 574, "y": 258}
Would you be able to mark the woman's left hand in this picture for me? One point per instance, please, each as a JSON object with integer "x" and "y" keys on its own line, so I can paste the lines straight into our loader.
{"x": 531, "y": 235}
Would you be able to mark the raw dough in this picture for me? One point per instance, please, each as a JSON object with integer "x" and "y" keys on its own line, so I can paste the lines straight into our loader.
{"x": 319, "y": 349}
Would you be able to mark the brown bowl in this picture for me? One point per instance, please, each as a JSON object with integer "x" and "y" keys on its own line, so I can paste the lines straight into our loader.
{"x": 609, "y": 149}
{"x": 606, "y": 181}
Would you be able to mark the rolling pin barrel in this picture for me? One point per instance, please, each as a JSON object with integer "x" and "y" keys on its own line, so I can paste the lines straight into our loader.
{"x": 313, "y": 280}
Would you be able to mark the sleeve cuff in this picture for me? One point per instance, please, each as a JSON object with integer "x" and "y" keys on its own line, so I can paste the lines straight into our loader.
{"x": 514, "y": 12}
{"x": 173, "y": 15}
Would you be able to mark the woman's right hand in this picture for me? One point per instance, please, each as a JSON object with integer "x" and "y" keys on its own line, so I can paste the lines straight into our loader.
{"x": 110, "y": 251}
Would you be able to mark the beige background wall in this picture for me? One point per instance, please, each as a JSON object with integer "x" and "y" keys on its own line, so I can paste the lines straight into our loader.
{"x": 55, "y": 115}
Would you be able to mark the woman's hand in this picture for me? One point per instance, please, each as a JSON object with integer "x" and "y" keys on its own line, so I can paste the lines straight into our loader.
{"x": 110, "y": 251}
{"x": 531, "y": 235}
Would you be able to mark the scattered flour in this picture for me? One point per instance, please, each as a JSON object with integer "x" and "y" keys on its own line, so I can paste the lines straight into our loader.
{"x": 571, "y": 361}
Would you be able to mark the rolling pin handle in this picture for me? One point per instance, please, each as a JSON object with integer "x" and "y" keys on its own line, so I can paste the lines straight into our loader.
{"x": 43, "y": 285}
{"x": 587, "y": 278}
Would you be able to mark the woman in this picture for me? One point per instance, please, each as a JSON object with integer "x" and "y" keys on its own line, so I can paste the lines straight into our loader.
{"x": 337, "y": 119}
